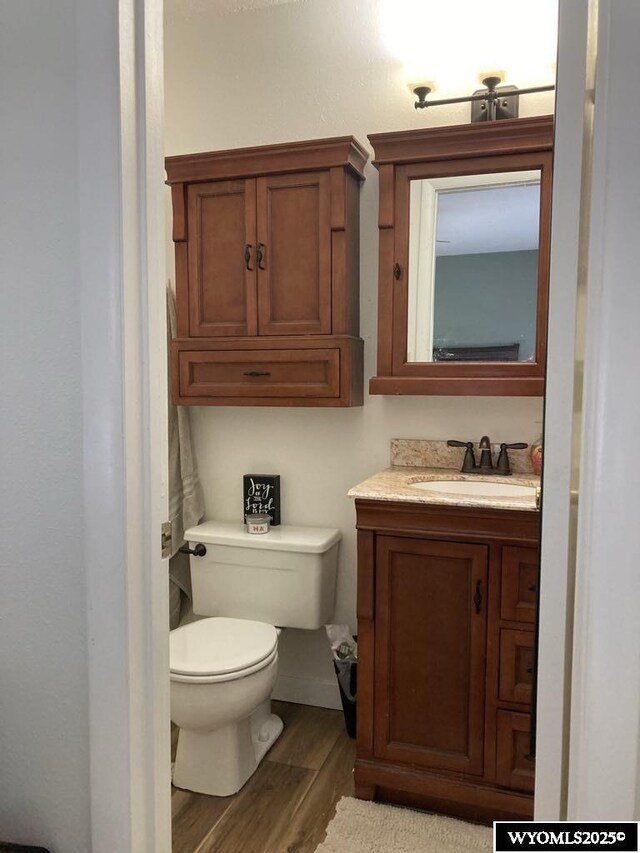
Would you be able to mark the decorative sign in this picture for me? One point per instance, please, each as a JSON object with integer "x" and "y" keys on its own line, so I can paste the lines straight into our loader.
{"x": 262, "y": 494}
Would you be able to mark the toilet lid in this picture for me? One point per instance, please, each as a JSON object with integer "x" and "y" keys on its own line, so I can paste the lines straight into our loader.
{"x": 219, "y": 645}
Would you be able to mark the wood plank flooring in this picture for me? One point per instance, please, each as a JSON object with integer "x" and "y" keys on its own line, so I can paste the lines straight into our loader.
{"x": 286, "y": 805}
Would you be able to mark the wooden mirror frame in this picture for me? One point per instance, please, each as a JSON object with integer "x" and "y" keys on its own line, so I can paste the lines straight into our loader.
{"x": 471, "y": 149}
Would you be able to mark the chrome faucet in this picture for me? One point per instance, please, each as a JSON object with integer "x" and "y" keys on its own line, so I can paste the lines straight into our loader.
{"x": 502, "y": 467}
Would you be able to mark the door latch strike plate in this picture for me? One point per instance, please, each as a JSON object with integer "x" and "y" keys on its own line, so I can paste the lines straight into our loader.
{"x": 165, "y": 539}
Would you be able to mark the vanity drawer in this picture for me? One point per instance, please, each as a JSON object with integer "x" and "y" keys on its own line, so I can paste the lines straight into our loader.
{"x": 260, "y": 373}
{"x": 516, "y": 665}
{"x": 519, "y": 584}
{"x": 514, "y": 768}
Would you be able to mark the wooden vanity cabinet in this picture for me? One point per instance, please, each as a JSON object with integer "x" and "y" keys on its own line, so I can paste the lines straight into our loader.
{"x": 267, "y": 275}
{"x": 446, "y": 658}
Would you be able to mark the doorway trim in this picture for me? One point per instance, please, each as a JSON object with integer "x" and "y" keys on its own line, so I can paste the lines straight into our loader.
{"x": 122, "y": 248}
{"x": 605, "y": 721}
{"x": 561, "y": 462}
{"x": 122, "y": 257}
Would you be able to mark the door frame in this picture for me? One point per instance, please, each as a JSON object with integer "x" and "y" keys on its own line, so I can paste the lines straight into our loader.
{"x": 568, "y": 245}
{"x": 587, "y": 765}
{"x": 604, "y": 782}
{"x": 122, "y": 248}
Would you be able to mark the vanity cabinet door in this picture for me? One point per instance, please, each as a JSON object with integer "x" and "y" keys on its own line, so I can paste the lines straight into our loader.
{"x": 430, "y": 653}
{"x": 294, "y": 254}
{"x": 520, "y": 569}
{"x": 515, "y": 767}
{"x": 516, "y": 666}
{"x": 221, "y": 257}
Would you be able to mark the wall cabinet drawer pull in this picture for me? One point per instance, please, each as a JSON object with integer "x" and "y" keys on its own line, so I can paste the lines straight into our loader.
{"x": 477, "y": 598}
{"x": 257, "y": 373}
{"x": 247, "y": 257}
{"x": 533, "y": 587}
{"x": 529, "y": 670}
{"x": 260, "y": 255}
{"x": 397, "y": 271}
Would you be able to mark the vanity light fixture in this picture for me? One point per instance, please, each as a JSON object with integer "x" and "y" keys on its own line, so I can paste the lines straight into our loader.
{"x": 487, "y": 104}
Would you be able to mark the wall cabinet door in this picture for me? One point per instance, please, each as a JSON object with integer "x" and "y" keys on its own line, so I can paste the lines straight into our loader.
{"x": 222, "y": 259}
{"x": 430, "y": 653}
{"x": 294, "y": 254}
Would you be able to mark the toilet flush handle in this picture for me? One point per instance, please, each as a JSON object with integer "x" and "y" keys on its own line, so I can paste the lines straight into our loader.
{"x": 198, "y": 551}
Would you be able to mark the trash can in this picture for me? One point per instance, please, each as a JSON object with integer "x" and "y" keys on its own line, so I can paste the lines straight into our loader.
{"x": 350, "y": 669}
{"x": 344, "y": 651}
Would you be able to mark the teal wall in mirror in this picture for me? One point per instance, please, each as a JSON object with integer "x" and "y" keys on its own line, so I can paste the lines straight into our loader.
{"x": 473, "y": 267}
{"x": 486, "y": 299}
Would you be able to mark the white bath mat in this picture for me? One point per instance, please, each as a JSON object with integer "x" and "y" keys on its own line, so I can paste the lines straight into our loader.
{"x": 364, "y": 827}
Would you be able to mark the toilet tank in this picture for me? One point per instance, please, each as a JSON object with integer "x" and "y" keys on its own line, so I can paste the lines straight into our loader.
{"x": 286, "y": 577}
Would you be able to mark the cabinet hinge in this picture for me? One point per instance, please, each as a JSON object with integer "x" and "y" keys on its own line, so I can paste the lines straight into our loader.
{"x": 165, "y": 539}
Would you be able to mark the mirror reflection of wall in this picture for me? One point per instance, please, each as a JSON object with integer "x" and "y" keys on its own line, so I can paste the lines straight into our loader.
{"x": 473, "y": 267}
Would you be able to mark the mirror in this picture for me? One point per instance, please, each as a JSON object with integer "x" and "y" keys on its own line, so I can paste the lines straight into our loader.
{"x": 473, "y": 267}
{"x": 463, "y": 272}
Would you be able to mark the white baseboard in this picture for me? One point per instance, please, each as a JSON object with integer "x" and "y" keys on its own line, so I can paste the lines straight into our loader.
{"x": 307, "y": 691}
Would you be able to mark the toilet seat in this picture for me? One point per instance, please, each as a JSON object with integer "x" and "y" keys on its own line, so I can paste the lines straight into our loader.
{"x": 220, "y": 649}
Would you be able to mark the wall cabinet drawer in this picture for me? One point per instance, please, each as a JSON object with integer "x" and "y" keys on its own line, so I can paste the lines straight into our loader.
{"x": 260, "y": 373}
{"x": 516, "y": 665}
{"x": 514, "y": 766}
{"x": 519, "y": 584}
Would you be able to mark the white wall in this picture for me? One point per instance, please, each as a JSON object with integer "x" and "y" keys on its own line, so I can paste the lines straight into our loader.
{"x": 84, "y": 670}
{"x": 301, "y": 71}
{"x": 44, "y": 775}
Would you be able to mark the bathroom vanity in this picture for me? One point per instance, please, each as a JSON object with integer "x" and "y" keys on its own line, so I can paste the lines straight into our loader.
{"x": 447, "y": 587}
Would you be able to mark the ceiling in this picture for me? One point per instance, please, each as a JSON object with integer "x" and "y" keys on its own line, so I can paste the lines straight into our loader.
{"x": 492, "y": 219}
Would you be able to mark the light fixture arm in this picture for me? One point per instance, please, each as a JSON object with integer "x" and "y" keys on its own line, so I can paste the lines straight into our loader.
{"x": 491, "y": 97}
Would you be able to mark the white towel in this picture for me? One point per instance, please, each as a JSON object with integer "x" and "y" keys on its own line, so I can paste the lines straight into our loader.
{"x": 186, "y": 504}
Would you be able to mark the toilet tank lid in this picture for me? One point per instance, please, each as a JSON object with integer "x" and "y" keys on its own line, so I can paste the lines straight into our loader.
{"x": 284, "y": 537}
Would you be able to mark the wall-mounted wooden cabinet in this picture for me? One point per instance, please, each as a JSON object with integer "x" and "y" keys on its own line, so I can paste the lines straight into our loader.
{"x": 464, "y": 231}
{"x": 446, "y": 597}
{"x": 267, "y": 275}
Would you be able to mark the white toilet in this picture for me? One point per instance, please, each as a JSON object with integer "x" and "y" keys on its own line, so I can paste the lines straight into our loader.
{"x": 223, "y": 668}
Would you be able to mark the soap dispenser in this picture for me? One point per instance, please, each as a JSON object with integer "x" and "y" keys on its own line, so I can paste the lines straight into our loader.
{"x": 536, "y": 456}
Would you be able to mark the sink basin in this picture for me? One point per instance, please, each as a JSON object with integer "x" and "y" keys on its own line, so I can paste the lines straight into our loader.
{"x": 476, "y": 487}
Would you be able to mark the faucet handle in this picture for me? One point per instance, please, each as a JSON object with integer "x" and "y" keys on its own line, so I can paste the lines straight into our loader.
{"x": 503, "y": 466}
{"x": 469, "y": 461}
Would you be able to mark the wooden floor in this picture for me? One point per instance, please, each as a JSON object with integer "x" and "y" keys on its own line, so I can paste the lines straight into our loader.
{"x": 286, "y": 805}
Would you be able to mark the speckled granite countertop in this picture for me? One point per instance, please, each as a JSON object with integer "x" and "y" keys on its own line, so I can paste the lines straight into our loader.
{"x": 395, "y": 484}
{"x": 420, "y": 460}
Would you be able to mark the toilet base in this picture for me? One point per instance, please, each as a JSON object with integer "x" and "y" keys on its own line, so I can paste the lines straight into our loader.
{"x": 219, "y": 762}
